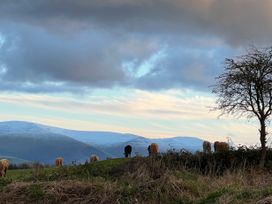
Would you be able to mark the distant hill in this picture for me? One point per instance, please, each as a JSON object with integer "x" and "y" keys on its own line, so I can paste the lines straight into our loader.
{"x": 36, "y": 142}
{"x": 140, "y": 145}
{"x": 31, "y": 142}
{"x": 97, "y": 138}
{"x": 14, "y": 160}
{"x": 114, "y": 143}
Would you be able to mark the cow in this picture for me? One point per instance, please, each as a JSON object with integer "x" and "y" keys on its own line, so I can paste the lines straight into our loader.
{"x": 2, "y": 170}
{"x": 215, "y": 144}
{"x": 154, "y": 148}
{"x": 59, "y": 162}
{"x": 221, "y": 146}
{"x": 94, "y": 158}
{"x": 148, "y": 149}
{"x": 127, "y": 151}
{"x": 207, "y": 147}
{"x": 4, "y": 164}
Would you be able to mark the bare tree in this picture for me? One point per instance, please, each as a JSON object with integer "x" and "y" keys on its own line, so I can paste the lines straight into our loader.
{"x": 245, "y": 89}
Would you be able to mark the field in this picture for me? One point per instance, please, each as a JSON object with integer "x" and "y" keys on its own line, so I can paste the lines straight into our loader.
{"x": 155, "y": 179}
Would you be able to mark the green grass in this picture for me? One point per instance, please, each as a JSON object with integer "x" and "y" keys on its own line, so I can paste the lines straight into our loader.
{"x": 4, "y": 182}
{"x": 99, "y": 169}
{"x": 103, "y": 168}
{"x": 26, "y": 174}
{"x": 214, "y": 196}
{"x": 19, "y": 174}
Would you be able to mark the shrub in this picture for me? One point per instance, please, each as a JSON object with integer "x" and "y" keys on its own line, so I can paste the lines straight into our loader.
{"x": 213, "y": 163}
{"x": 35, "y": 192}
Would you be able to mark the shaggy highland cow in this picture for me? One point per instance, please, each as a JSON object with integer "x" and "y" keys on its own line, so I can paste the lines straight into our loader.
{"x": 127, "y": 151}
{"x": 154, "y": 148}
{"x": 4, "y": 164}
{"x": 207, "y": 147}
{"x": 2, "y": 170}
{"x": 59, "y": 162}
{"x": 221, "y": 146}
{"x": 215, "y": 144}
{"x": 94, "y": 158}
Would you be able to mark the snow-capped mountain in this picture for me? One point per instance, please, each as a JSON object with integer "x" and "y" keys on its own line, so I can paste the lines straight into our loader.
{"x": 89, "y": 137}
{"x": 98, "y": 138}
{"x": 31, "y": 141}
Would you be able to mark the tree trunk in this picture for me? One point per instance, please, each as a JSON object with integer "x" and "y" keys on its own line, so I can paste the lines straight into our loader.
{"x": 263, "y": 142}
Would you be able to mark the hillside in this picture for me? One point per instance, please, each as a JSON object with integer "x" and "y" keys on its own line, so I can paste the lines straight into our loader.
{"x": 137, "y": 180}
{"x": 36, "y": 142}
{"x": 46, "y": 147}
{"x": 140, "y": 145}
{"x": 95, "y": 138}
{"x": 114, "y": 143}
{"x": 15, "y": 160}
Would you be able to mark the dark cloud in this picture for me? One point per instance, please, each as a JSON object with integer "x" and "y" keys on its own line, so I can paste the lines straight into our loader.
{"x": 235, "y": 21}
{"x": 191, "y": 67}
{"x": 38, "y": 55}
{"x": 88, "y": 58}
{"x": 87, "y": 43}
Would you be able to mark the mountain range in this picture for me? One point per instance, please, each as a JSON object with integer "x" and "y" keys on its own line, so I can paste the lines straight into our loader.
{"x": 27, "y": 141}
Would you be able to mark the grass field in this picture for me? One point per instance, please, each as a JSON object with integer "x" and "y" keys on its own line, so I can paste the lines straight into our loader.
{"x": 136, "y": 180}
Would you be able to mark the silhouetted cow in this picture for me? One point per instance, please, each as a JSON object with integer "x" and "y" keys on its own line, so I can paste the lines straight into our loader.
{"x": 148, "y": 149}
{"x": 127, "y": 151}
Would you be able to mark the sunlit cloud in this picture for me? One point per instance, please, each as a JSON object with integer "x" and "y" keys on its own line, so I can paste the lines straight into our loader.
{"x": 151, "y": 114}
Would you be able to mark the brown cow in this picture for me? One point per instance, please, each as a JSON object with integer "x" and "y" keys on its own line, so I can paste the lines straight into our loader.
{"x": 207, "y": 147}
{"x": 2, "y": 170}
{"x": 221, "y": 146}
{"x": 215, "y": 145}
{"x": 94, "y": 158}
{"x": 59, "y": 162}
{"x": 4, "y": 164}
{"x": 154, "y": 148}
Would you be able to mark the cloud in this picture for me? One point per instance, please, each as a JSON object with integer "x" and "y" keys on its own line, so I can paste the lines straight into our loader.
{"x": 185, "y": 67}
{"x": 236, "y": 21}
{"x": 33, "y": 57}
{"x": 165, "y": 105}
{"x": 37, "y": 55}
{"x": 161, "y": 114}
{"x": 71, "y": 45}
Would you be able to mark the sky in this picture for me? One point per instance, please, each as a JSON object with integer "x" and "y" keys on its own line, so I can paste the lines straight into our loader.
{"x": 144, "y": 67}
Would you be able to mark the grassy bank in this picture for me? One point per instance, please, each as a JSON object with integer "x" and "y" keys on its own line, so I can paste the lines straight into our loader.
{"x": 136, "y": 180}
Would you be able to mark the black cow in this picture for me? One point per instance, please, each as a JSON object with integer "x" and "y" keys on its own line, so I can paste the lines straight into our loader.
{"x": 149, "y": 150}
{"x": 128, "y": 150}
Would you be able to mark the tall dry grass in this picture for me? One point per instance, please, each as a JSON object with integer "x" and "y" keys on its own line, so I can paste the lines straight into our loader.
{"x": 175, "y": 177}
